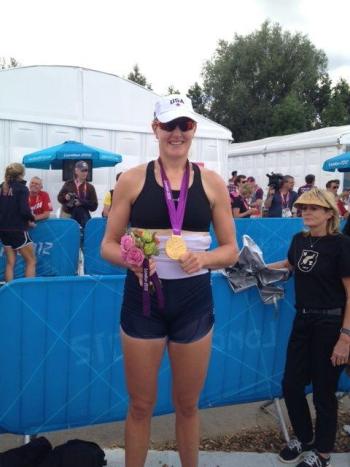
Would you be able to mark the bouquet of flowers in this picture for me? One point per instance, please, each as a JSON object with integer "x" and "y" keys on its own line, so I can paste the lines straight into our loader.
{"x": 137, "y": 246}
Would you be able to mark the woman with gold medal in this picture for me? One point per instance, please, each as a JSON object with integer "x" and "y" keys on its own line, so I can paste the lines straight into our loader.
{"x": 178, "y": 200}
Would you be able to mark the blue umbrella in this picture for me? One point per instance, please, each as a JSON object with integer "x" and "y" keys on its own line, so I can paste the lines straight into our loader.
{"x": 340, "y": 163}
{"x": 70, "y": 150}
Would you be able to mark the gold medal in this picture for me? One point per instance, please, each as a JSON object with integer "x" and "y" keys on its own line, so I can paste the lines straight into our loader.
{"x": 175, "y": 247}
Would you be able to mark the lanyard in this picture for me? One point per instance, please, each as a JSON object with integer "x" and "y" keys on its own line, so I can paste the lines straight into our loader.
{"x": 285, "y": 200}
{"x": 176, "y": 215}
{"x": 78, "y": 185}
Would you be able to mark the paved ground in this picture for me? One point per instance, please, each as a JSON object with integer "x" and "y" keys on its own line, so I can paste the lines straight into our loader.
{"x": 216, "y": 459}
{"x": 222, "y": 420}
{"x": 218, "y": 421}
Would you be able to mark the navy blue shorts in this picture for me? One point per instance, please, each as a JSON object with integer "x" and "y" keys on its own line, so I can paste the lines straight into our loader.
{"x": 188, "y": 314}
{"x": 16, "y": 239}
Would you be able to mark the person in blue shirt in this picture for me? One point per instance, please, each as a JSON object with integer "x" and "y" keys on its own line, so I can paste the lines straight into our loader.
{"x": 279, "y": 203}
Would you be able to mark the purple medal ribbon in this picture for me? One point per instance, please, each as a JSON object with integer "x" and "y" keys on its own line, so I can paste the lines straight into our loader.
{"x": 176, "y": 215}
{"x": 146, "y": 299}
{"x": 146, "y": 283}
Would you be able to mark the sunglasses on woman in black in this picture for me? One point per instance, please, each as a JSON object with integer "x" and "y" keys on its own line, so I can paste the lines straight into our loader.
{"x": 185, "y": 124}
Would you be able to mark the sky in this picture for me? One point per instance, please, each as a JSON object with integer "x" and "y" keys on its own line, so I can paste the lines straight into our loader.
{"x": 170, "y": 41}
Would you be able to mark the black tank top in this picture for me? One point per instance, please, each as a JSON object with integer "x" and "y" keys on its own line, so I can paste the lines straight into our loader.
{"x": 150, "y": 210}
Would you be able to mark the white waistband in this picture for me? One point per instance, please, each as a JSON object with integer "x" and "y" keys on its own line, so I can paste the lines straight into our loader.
{"x": 168, "y": 268}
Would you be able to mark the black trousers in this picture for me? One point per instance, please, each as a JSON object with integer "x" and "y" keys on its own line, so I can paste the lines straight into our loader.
{"x": 310, "y": 348}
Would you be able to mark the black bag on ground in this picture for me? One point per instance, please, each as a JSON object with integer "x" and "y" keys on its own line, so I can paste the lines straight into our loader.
{"x": 75, "y": 453}
{"x": 28, "y": 455}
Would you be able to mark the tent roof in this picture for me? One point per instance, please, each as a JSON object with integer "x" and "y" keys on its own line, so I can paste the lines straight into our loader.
{"x": 324, "y": 137}
{"x": 74, "y": 96}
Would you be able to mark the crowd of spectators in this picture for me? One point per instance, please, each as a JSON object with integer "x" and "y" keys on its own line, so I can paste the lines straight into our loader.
{"x": 21, "y": 209}
{"x": 78, "y": 199}
{"x": 248, "y": 199}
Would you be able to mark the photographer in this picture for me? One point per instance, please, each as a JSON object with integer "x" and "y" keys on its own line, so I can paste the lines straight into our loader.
{"x": 78, "y": 197}
{"x": 280, "y": 196}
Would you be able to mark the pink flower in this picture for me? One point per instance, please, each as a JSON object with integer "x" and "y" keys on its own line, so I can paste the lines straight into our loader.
{"x": 135, "y": 256}
{"x": 127, "y": 242}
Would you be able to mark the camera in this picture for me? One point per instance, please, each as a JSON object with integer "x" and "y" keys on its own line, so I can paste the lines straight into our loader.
{"x": 73, "y": 198}
{"x": 275, "y": 180}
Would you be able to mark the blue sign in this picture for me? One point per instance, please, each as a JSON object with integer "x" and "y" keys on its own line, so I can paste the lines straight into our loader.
{"x": 56, "y": 243}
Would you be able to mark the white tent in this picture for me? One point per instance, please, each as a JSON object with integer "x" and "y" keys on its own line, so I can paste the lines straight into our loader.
{"x": 297, "y": 155}
{"x": 42, "y": 106}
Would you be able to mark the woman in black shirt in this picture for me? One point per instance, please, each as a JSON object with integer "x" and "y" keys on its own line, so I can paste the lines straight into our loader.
{"x": 319, "y": 342}
{"x": 240, "y": 202}
{"x": 15, "y": 219}
{"x": 184, "y": 326}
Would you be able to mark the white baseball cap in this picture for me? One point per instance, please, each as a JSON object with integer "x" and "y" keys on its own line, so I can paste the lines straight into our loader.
{"x": 169, "y": 108}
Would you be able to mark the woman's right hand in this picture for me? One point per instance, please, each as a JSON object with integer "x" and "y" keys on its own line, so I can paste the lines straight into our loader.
{"x": 138, "y": 270}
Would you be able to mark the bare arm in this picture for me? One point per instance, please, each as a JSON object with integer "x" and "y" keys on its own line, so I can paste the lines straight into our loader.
{"x": 269, "y": 198}
{"x": 257, "y": 204}
{"x": 106, "y": 209}
{"x": 280, "y": 265}
{"x": 341, "y": 350}
{"x": 43, "y": 216}
{"x": 123, "y": 196}
{"x": 226, "y": 254}
{"x": 236, "y": 213}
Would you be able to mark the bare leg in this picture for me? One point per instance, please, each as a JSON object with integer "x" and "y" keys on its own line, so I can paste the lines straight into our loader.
{"x": 28, "y": 255}
{"x": 10, "y": 263}
{"x": 142, "y": 358}
{"x": 189, "y": 364}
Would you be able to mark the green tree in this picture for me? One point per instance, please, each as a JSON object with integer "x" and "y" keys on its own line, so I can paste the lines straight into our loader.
{"x": 290, "y": 115}
{"x": 172, "y": 90}
{"x": 337, "y": 112}
{"x": 322, "y": 96}
{"x": 8, "y": 63}
{"x": 136, "y": 76}
{"x": 269, "y": 70}
{"x": 198, "y": 98}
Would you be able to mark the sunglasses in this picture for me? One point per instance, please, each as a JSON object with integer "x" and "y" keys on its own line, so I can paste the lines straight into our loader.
{"x": 185, "y": 124}
{"x": 335, "y": 187}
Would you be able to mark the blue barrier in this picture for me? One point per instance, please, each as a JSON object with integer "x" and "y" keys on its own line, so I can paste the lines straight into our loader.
{"x": 61, "y": 362}
{"x": 57, "y": 247}
{"x": 60, "y": 354}
{"x": 93, "y": 261}
{"x": 272, "y": 235}
{"x": 57, "y": 244}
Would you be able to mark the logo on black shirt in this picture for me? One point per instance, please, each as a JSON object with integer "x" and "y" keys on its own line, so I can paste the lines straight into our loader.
{"x": 307, "y": 260}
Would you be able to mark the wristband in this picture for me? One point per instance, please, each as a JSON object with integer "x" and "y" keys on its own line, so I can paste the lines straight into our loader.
{"x": 345, "y": 331}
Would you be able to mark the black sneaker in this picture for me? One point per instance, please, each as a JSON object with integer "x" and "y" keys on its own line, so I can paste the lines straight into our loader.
{"x": 293, "y": 451}
{"x": 313, "y": 459}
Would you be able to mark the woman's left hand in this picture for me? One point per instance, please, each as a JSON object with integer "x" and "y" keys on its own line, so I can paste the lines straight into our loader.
{"x": 192, "y": 262}
{"x": 340, "y": 353}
